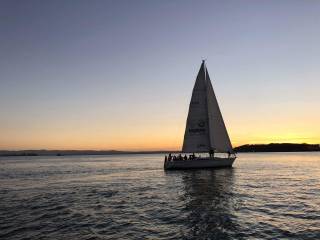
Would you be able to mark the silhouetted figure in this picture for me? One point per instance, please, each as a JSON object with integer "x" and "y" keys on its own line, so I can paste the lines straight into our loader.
{"x": 180, "y": 157}
{"x": 211, "y": 153}
{"x": 165, "y": 158}
{"x": 185, "y": 157}
{"x": 169, "y": 157}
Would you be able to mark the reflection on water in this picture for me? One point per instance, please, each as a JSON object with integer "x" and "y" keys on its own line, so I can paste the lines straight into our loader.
{"x": 265, "y": 196}
{"x": 209, "y": 201}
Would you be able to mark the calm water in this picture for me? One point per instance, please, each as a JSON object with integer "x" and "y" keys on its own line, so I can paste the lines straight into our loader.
{"x": 265, "y": 196}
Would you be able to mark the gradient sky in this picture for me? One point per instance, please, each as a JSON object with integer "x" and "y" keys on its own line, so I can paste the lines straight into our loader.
{"x": 119, "y": 74}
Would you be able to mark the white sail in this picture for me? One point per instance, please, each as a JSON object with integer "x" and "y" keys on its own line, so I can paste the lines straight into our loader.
{"x": 219, "y": 138}
{"x": 205, "y": 129}
{"x": 196, "y": 136}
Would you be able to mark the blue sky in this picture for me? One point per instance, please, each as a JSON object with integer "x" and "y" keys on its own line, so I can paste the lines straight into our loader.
{"x": 119, "y": 74}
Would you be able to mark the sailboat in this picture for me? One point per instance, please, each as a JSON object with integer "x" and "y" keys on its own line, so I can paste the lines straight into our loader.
{"x": 205, "y": 131}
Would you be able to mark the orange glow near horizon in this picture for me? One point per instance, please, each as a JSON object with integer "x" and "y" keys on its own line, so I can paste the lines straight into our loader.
{"x": 162, "y": 135}
{"x": 139, "y": 144}
{"x": 136, "y": 131}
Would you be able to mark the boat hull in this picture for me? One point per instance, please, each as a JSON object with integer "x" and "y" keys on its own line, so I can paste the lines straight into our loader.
{"x": 199, "y": 163}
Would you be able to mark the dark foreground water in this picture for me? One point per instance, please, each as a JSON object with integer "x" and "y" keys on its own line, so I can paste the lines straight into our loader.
{"x": 265, "y": 196}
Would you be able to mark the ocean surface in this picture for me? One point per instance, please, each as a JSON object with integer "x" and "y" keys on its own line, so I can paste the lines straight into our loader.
{"x": 264, "y": 196}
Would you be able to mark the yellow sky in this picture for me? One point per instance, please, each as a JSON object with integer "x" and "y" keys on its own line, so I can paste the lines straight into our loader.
{"x": 157, "y": 133}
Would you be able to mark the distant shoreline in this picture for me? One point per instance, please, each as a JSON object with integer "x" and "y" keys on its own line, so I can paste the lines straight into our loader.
{"x": 278, "y": 147}
{"x": 249, "y": 148}
{"x": 8, "y": 153}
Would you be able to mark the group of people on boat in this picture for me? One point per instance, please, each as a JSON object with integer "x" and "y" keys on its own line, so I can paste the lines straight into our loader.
{"x": 179, "y": 157}
{"x": 190, "y": 157}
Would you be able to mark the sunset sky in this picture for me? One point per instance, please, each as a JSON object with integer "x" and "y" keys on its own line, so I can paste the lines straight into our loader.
{"x": 119, "y": 74}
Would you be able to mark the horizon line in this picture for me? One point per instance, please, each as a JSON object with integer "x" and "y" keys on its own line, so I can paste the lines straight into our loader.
{"x": 139, "y": 150}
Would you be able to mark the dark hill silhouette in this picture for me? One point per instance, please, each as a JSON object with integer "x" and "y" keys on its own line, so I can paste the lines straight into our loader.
{"x": 278, "y": 147}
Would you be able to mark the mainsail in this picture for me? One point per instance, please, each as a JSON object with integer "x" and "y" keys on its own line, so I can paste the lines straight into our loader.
{"x": 205, "y": 128}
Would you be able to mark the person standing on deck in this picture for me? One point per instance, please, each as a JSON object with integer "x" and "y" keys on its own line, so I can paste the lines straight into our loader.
{"x": 211, "y": 153}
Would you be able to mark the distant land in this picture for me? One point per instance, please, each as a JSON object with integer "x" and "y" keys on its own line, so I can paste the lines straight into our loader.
{"x": 7, "y": 153}
{"x": 278, "y": 147}
{"x": 272, "y": 147}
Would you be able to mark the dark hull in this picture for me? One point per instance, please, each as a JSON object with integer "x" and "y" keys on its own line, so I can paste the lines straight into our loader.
{"x": 199, "y": 163}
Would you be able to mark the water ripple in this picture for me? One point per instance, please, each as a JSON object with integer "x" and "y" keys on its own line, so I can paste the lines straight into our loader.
{"x": 265, "y": 196}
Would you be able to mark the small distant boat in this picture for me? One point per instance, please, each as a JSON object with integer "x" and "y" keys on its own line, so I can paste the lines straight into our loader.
{"x": 205, "y": 131}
